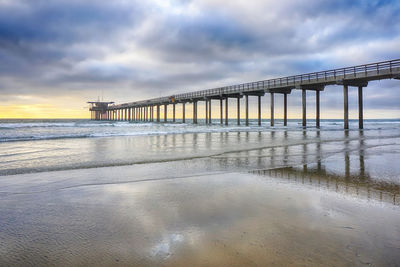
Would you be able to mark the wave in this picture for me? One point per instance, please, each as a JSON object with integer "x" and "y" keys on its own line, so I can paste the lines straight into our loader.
{"x": 31, "y": 131}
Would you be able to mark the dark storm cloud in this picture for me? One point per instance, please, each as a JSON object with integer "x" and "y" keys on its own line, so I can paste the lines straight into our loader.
{"x": 164, "y": 47}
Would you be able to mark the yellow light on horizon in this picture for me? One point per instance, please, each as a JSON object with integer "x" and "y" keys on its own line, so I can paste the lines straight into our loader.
{"x": 41, "y": 111}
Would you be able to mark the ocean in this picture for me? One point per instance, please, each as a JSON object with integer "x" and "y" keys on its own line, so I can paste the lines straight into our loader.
{"x": 81, "y": 192}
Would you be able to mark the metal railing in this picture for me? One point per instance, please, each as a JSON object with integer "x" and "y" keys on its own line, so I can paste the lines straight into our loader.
{"x": 273, "y": 83}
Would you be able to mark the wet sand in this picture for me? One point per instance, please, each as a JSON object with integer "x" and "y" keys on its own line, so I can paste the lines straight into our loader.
{"x": 302, "y": 204}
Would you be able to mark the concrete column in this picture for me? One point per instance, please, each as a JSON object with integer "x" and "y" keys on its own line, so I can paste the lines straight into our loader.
{"x": 165, "y": 112}
{"x": 221, "y": 110}
{"x": 360, "y": 108}
{"x": 259, "y": 110}
{"x": 152, "y": 113}
{"x": 133, "y": 114}
{"x": 129, "y": 114}
{"x": 303, "y": 98}
{"x": 195, "y": 112}
{"x": 183, "y": 112}
{"x": 226, "y": 110}
{"x": 209, "y": 111}
{"x": 238, "y": 111}
{"x": 272, "y": 110}
{"x": 285, "y": 109}
{"x": 206, "y": 108}
{"x": 247, "y": 109}
{"x": 317, "y": 108}
{"x": 346, "y": 106}
{"x": 158, "y": 113}
{"x": 173, "y": 112}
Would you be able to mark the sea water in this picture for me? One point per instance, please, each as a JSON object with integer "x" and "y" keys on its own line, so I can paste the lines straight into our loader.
{"x": 80, "y": 192}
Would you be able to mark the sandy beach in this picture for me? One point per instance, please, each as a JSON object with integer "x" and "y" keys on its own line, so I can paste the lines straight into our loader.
{"x": 274, "y": 198}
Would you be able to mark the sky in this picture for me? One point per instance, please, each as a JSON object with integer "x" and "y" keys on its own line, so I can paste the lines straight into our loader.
{"x": 57, "y": 55}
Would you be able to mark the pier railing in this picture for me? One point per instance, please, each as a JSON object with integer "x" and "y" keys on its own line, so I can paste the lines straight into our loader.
{"x": 296, "y": 79}
{"x": 322, "y": 77}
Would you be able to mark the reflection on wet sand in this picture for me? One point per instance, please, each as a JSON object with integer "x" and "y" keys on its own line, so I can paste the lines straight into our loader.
{"x": 316, "y": 175}
{"x": 355, "y": 180}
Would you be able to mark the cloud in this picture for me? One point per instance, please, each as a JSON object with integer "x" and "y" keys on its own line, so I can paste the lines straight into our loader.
{"x": 153, "y": 48}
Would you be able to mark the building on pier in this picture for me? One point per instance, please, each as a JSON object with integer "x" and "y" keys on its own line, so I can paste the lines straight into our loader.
{"x": 98, "y": 110}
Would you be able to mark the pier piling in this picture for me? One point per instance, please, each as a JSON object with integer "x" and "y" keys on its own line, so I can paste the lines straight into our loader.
{"x": 346, "y": 106}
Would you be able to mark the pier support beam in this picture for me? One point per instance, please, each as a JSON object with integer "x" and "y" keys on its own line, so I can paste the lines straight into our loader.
{"x": 209, "y": 111}
{"x": 165, "y": 112}
{"x": 183, "y": 112}
{"x": 259, "y": 110}
{"x": 158, "y": 113}
{"x": 173, "y": 112}
{"x": 226, "y": 110}
{"x": 206, "y": 109}
{"x": 317, "y": 108}
{"x": 221, "y": 110}
{"x": 247, "y": 109}
{"x": 195, "y": 112}
{"x": 272, "y": 109}
{"x": 360, "y": 108}
{"x": 285, "y": 109}
{"x": 346, "y": 106}
{"x": 303, "y": 100}
{"x": 238, "y": 111}
{"x": 129, "y": 114}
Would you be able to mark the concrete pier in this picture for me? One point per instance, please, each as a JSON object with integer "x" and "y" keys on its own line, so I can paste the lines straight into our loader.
{"x": 173, "y": 112}
{"x": 165, "y": 112}
{"x": 206, "y": 110}
{"x": 346, "y": 106}
{"x": 355, "y": 76}
{"x": 317, "y": 124}
{"x": 221, "y": 110}
{"x": 195, "y": 112}
{"x": 183, "y": 113}
{"x": 272, "y": 109}
{"x": 226, "y": 110}
{"x": 209, "y": 112}
{"x": 360, "y": 108}
{"x": 238, "y": 111}
{"x": 304, "y": 107}
{"x": 259, "y": 110}
{"x": 247, "y": 109}
{"x": 284, "y": 109}
{"x": 158, "y": 113}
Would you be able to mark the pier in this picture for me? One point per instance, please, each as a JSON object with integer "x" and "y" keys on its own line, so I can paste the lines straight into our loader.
{"x": 355, "y": 76}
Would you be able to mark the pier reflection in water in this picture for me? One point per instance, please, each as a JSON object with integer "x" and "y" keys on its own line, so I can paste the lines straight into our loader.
{"x": 348, "y": 177}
